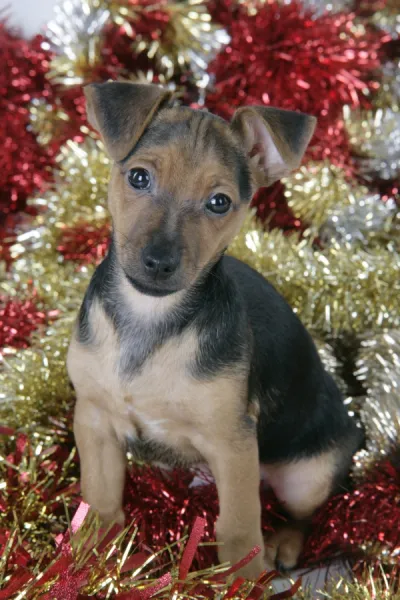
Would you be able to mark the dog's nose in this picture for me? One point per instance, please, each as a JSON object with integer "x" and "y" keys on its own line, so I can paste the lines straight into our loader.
{"x": 160, "y": 261}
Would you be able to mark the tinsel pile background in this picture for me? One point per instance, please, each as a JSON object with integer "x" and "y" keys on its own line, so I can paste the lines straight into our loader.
{"x": 328, "y": 238}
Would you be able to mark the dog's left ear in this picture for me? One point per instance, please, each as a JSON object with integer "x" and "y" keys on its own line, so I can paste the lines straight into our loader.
{"x": 275, "y": 140}
{"x": 120, "y": 111}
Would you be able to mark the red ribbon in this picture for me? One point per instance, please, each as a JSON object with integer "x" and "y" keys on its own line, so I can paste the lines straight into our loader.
{"x": 191, "y": 547}
{"x": 148, "y": 592}
{"x": 69, "y": 582}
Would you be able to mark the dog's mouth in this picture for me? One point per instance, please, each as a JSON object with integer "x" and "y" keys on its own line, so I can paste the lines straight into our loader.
{"x": 148, "y": 289}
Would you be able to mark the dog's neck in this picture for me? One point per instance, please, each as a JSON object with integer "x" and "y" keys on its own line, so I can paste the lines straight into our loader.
{"x": 153, "y": 309}
{"x": 144, "y": 323}
{"x": 149, "y": 307}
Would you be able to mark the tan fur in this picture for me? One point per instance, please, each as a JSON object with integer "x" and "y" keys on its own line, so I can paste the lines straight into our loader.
{"x": 202, "y": 420}
{"x": 304, "y": 484}
{"x": 284, "y": 546}
{"x": 301, "y": 486}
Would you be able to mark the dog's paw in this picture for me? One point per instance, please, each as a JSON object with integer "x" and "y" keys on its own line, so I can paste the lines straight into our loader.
{"x": 108, "y": 519}
{"x": 283, "y": 548}
{"x": 235, "y": 549}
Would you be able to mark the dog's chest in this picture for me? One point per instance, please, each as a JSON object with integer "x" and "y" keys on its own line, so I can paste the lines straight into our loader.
{"x": 162, "y": 395}
{"x": 159, "y": 401}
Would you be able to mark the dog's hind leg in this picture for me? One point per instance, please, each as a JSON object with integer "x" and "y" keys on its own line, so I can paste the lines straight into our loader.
{"x": 301, "y": 486}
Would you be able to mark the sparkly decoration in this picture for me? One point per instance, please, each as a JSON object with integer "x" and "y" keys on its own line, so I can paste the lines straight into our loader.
{"x": 117, "y": 566}
{"x": 24, "y": 164}
{"x": 34, "y": 386}
{"x": 85, "y": 243}
{"x": 74, "y": 35}
{"x": 318, "y": 191}
{"x": 385, "y": 15}
{"x": 279, "y": 56}
{"x": 378, "y": 368}
{"x": 330, "y": 142}
{"x": 80, "y": 192}
{"x": 176, "y": 36}
{"x": 345, "y": 525}
{"x": 364, "y": 219}
{"x": 18, "y": 318}
{"x": 320, "y": 7}
{"x": 389, "y": 92}
{"x": 372, "y": 585}
{"x": 272, "y": 208}
{"x": 179, "y": 35}
{"x": 375, "y": 138}
{"x": 36, "y": 489}
{"x": 8, "y": 227}
{"x": 330, "y": 362}
{"x": 47, "y": 122}
{"x": 57, "y": 284}
{"x": 338, "y": 290}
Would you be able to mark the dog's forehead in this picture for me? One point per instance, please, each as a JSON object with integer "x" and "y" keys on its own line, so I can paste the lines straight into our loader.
{"x": 197, "y": 134}
{"x": 193, "y": 130}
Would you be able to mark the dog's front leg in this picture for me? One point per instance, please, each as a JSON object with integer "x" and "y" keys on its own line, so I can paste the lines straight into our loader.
{"x": 235, "y": 466}
{"x": 102, "y": 460}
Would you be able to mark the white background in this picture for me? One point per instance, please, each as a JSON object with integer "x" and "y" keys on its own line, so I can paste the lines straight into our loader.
{"x": 29, "y": 16}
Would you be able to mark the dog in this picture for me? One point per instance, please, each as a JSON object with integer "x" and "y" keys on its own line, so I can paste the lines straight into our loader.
{"x": 188, "y": 356}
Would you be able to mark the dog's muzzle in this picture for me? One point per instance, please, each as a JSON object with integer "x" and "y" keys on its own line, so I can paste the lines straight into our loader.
{"x": 160, "y": 261}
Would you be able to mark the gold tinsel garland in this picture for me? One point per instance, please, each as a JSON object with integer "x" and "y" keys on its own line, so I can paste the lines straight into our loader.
{"x": 47, "y": 121}
{"x": 319, "y": 190}
{"x": 34, "y": 383}
{"x": 35, "y": 485}
{"x": 75, "y": 35}
{"x": 340, "y": 290}
{"x": 189, "y": 39}
{"x": 378, "y": 368}
{"x": 375, "y": 138}
{"x": 321, "y": 194}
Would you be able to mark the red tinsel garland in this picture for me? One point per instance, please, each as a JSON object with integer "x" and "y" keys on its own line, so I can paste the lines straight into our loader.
{"x": 18, "y": 318}
{"x": 160, "y": 494}
{"x": 24, "y": 165}
{"x": 272, "y": 207}
{"x": 84, "y": 244}
{"x": 282, "y": 57}
{"x": 367, "y": 517}
{"x": 162, "y": 505}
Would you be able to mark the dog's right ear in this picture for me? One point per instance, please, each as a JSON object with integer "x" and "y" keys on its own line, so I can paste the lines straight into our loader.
{"x": 274, "y": 140}
{"x": 120, "y": 111}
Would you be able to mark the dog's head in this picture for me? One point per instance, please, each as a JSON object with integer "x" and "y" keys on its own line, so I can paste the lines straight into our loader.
{"x": 182, "y": 179}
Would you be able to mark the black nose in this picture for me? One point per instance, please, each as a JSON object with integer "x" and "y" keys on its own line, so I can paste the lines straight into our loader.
{"x": 160, "y": 261}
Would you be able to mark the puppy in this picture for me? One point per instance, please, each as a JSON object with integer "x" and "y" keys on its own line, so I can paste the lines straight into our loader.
{"x": 188, "y": 356}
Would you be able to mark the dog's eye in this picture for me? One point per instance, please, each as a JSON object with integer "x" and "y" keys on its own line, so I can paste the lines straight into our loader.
{"x": 219, "y": 204}
{"x": 139, "y": 179}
